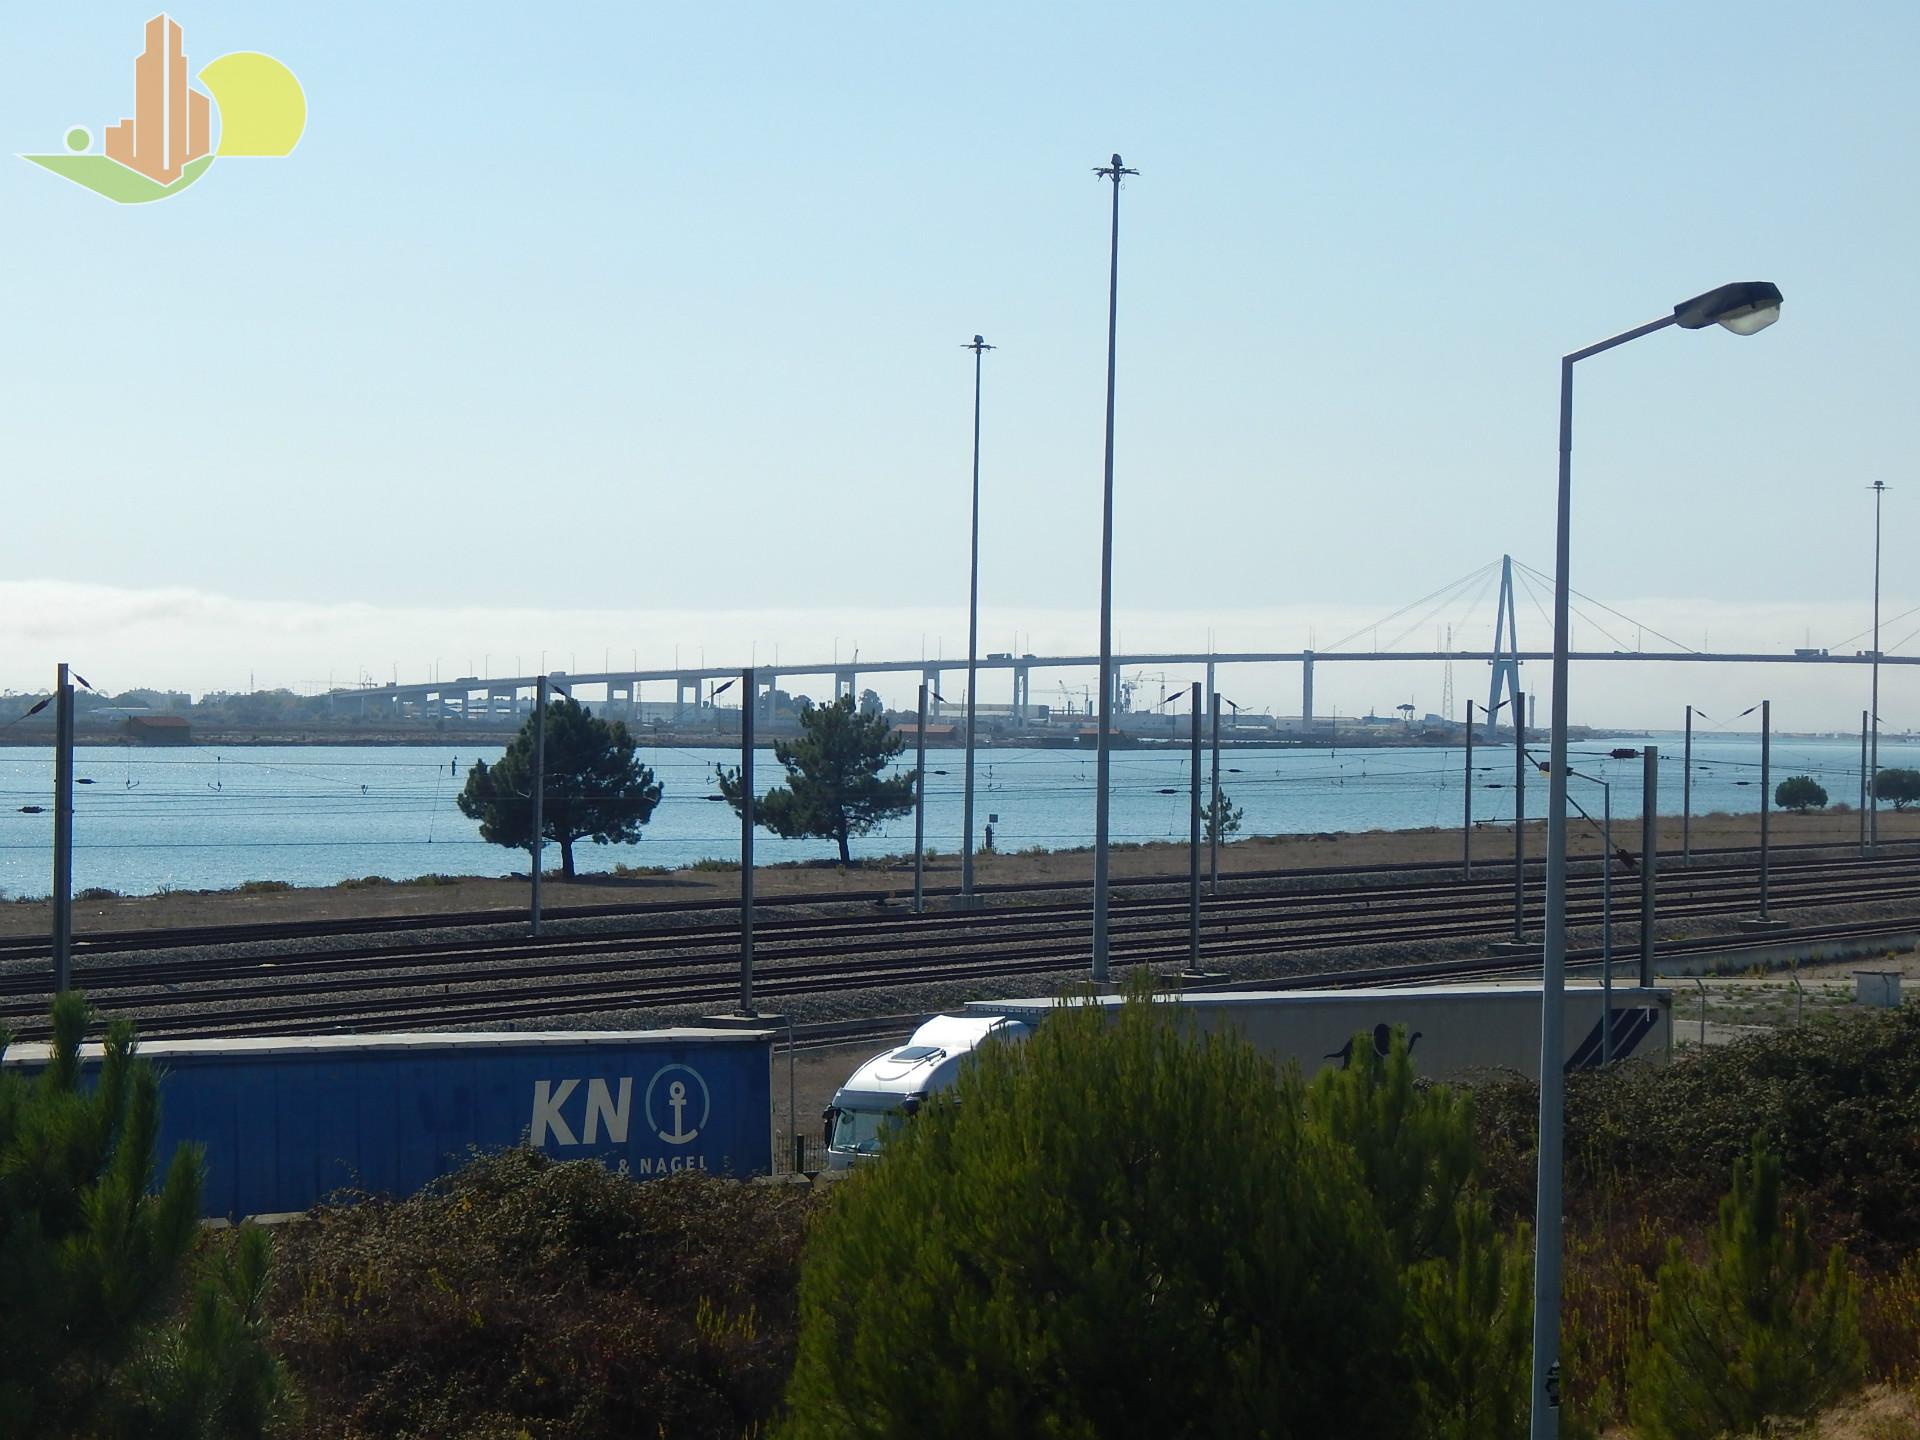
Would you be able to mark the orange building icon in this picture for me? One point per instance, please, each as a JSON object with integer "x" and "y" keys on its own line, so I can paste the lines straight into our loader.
{"x": 171, "y": 120}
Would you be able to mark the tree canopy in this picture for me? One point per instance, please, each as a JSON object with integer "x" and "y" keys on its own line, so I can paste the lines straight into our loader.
{"x": 835, "y": 786}
{"x": 1902, "y": 787}
{"x": 1125, "y": 1230}
{"x": 595, "y": 788}
{"x": 1800, "y": 792}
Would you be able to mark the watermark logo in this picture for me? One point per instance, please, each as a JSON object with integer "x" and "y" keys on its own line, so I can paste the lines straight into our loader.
{"x": 166, "y": 144}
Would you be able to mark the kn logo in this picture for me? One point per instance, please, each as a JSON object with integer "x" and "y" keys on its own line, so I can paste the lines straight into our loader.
{"x": 674, "y": 1107}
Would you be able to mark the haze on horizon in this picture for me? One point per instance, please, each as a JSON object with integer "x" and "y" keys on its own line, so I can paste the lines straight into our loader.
{"x": 640, "y": 330}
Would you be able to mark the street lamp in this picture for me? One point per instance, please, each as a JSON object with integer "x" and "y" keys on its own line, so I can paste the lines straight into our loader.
{"x": 1102, "y": 763}
{"x": 1745, "y": 308}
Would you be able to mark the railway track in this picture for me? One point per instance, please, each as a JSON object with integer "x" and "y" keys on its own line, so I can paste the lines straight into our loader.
{"x": 500, "y": 978}
{"x": 109, "y": 942}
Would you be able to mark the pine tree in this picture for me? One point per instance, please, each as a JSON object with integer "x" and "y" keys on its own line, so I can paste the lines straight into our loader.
{"x": 1470, "y": 1330}
{"x": 595, "y": 788}
{"x": 835, "y": 786}
{"x": 1414, "y": 1144}
{"x": 92, "y": 1260}
{"x": 1758, "y": 1331}
{"x": 1113, "y": 1228}
{"x": 1221, "y": 817}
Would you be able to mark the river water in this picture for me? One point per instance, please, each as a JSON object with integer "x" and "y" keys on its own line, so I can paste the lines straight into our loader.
{"x": 206, "y": 818}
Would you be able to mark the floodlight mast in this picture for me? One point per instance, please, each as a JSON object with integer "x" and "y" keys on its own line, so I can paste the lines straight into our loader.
{"x": 1745, "y": 308}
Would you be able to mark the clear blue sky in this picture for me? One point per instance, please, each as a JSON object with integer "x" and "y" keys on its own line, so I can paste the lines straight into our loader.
{"x": 584, "y": 308}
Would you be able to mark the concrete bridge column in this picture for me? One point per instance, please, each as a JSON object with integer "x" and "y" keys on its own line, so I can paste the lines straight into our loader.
{"x": 1306, "y": 692}
{"x": 843, "y": 683}
{"x": 931, "y": 678}
{"x": 1022, "y": 691}
{"x": 766, "y": 702}
{"x": 683, "y": 687}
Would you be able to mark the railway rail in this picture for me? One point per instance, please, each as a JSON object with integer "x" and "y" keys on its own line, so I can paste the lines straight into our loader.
{"x": 500, "y": 978}
{"x": 1489, "y": 870}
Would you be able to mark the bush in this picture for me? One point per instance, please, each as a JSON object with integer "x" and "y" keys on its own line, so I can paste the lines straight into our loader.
{"x": 1800, "y": 792}
{"x": 1753, "y": 1334}
{"x": 523, "y": 1296}
{"x": 1103, "y": 1231}
{"x": 1839, "y": 1102}
{"x": 263, "y": 887}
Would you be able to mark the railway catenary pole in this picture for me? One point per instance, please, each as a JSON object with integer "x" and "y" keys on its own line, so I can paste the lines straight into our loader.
{"x": 1193, "y": 838}
{"x": 1213, "y": 840}
{"x": 1649, "y": 857}
{"x": 62, "y": 829}
{"x": 746, "y": 842}
{"x": 1103, "y": 761}
{"x": 1606, "y": 924}
{"x": 1873, "y": 798}
{"x": 539, "y": 789}
{"x": 1686, "y": 795}
{"x": 1766, "y": 793}
{"x": 1519, "y": 817}
{"x": 979, "y": 347}
{"x": 920, "y": 805}
{"x": 1863, "y": 782}
{"x": 1466, "y": 820}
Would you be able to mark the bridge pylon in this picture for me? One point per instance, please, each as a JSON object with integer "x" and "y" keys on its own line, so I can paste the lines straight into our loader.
{"x": 1506, "y": 652}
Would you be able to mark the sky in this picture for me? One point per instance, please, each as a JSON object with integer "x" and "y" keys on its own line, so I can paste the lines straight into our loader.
{"x": 636, "y": 330}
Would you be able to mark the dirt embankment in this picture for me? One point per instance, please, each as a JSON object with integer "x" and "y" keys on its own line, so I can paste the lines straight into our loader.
{"x": 1492, "y": 846}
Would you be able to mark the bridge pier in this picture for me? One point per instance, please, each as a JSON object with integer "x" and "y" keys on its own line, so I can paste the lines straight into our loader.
{"x": 930, "y": 677}
{"x": 843, "y": 683}
{"x": 1022, "y": 690}
{"x": 1306, "y": 692}
{"x": 682, "y": 687}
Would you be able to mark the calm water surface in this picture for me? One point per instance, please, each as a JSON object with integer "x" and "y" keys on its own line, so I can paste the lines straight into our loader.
{"x": 205, "y": 818}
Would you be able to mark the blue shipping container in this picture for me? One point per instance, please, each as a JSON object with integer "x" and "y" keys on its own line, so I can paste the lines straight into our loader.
{"x": 286, "y": 1121}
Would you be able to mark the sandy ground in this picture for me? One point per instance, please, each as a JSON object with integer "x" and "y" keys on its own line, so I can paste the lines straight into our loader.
{"x": 1493, "y": 844}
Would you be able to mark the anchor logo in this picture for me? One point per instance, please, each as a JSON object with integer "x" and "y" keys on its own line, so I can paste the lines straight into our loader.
{"x": 678, "y": 1103}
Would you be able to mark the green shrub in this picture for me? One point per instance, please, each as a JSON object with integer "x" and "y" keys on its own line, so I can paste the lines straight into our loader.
{"x": 1755, "y": 1333}
{"x": 97, "y": 892}
{"x": 1839, "y": 1102}
{"x": 714, "y": 865}
{"x": 263, "y": 887}
{"x": 1115, "y": 1229}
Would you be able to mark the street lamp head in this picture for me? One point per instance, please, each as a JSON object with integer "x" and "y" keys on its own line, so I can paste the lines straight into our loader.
{"x": 1745, "y": 307}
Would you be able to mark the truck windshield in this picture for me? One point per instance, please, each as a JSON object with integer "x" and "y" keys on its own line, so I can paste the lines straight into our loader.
{"x": 859, "y": 1130}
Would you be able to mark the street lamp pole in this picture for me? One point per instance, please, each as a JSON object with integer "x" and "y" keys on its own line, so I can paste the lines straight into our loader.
{"x": 979, "y": 347}
{"x": 1745, "y": 309}
{"x": 1102, "y": 765}
{"x": 1873, "y": 759}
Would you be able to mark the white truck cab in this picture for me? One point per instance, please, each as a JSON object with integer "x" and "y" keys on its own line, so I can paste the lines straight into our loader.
{"x": 895, "y": 1082}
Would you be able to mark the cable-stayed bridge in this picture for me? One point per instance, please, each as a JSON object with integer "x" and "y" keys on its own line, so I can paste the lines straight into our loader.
{"x": 475, "y": 697}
